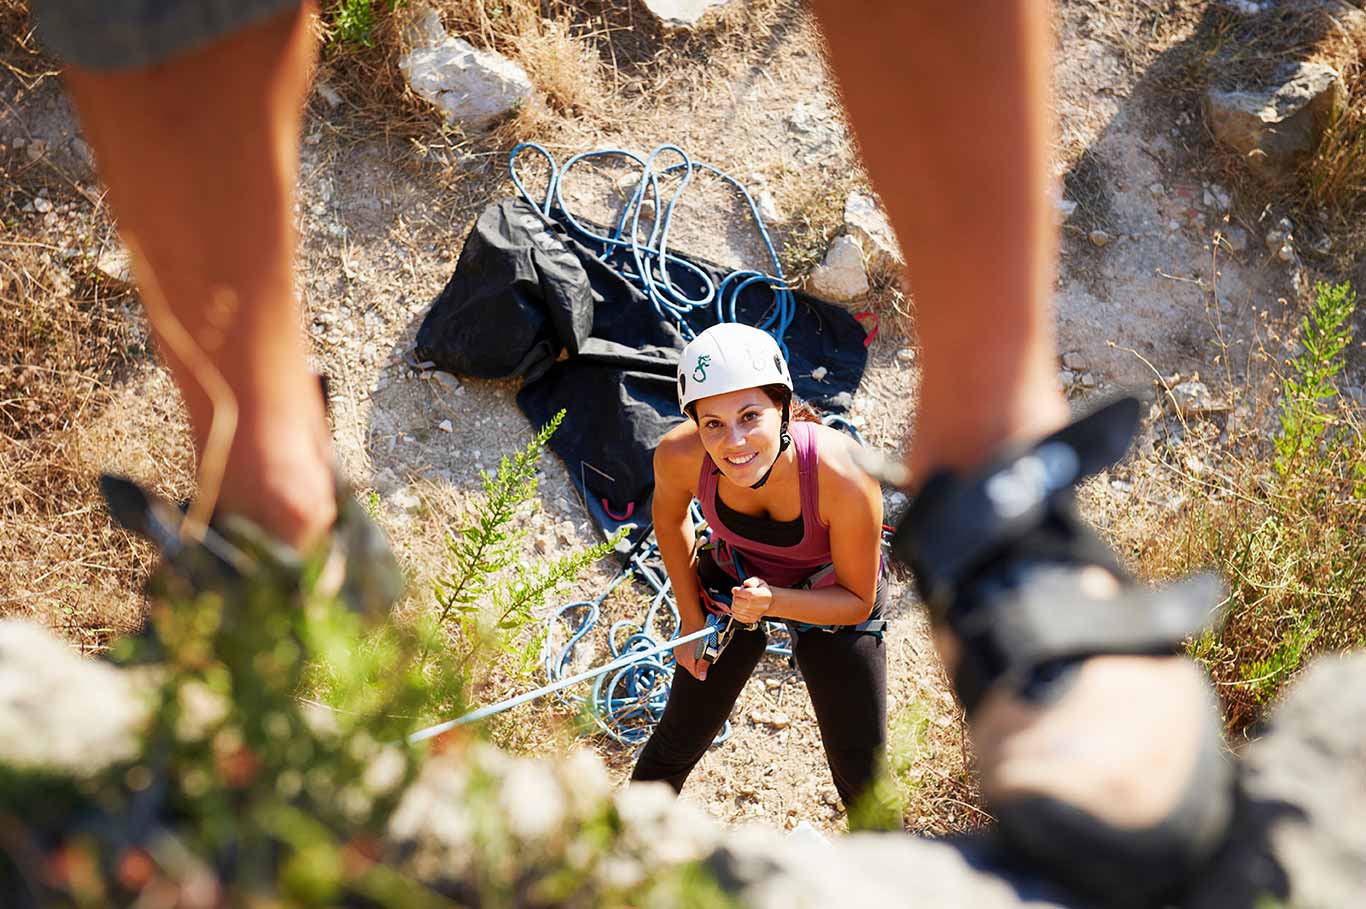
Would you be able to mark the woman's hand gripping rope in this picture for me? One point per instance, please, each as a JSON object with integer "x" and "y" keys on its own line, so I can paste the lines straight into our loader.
{"x": 751, "y": 601}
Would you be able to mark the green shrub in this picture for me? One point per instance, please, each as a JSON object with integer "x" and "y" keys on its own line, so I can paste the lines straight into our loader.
{"x": 353, "y": 21}
{"x": 1287, "y": 528}
{"x": 488, "y": 601}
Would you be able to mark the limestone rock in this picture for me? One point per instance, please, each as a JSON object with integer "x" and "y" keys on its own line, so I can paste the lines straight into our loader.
{"x": 768, "y": 208}
{"x": 1300, "y": 832}
{"x": 1193, "y": 399}
{"x": 841, "y": 277}
{"x": 446, "y": 382}
{"x": 114, "y": 264}
{"x": 681, "y": 13}
{"x": 1273, "y": 127}
{"x": 1073, "y": 359}
{"x": 59, "y": 711}
{"x": 865, "y": 221}
{"x": 472, "y": 87}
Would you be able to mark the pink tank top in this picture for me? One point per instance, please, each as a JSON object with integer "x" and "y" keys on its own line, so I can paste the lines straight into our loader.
{"x": 779, "y": 566}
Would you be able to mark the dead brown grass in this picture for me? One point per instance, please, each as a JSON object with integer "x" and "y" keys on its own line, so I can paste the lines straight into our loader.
{"x": 1327, "y": 196}
{"x": 1288, "y": 543}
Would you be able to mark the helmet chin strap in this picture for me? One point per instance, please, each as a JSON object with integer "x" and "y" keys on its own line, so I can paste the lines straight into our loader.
{"x": 784, "y": 440}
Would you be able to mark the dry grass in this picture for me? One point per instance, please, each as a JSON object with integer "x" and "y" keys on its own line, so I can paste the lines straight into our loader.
{"x": 1327, "y": 196}
{"x": 1289, "y": 544}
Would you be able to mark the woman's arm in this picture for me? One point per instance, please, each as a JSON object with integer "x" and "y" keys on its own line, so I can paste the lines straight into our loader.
{"x": 676, "y": 462}
{"x": 853, "y": 503}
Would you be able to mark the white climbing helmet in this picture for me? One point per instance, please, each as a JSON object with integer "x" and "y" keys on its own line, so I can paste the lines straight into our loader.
{"x": 728, "y": 357}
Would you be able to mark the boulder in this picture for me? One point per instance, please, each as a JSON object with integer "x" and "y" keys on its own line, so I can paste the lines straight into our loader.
{"x": 865, "y": 221}
{"x": 482, "y": 827}
{"x": 59, "y": 712}
{"x": 841, "y": 277}
{"x": 1300, "y": 832}
{"x": 472, "y": 87}
{"x": 1274, "y": 126}
{"x": 681, "y": 13}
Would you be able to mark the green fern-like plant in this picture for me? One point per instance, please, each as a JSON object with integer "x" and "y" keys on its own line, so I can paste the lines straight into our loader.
{"x": 488, "y": 600}
{"x": 1325, "y": 334}
{"x": 1287, "y": 535}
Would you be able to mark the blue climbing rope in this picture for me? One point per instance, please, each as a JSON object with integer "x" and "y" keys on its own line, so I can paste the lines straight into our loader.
{"x": 626, "y": 703}
{"x": 646, "y": 260}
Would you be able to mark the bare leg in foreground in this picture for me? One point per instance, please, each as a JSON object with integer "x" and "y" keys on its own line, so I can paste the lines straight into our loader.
{"x": 200, "y": 154}
{"x": 952, "y": 110}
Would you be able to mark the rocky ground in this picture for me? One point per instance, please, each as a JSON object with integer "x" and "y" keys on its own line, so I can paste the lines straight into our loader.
{"x": 1145, "y": 292}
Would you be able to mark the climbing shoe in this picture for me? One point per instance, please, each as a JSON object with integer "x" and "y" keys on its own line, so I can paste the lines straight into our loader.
{"x": 353, "y": 564}
{"x": 1098, "y": 742}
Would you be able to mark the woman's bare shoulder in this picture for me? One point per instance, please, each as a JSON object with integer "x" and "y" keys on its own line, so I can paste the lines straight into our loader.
{"x": 839, "y": 468}
{"x": 680, "y": 451}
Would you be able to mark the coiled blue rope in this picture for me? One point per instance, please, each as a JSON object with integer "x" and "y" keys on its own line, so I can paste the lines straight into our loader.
{"x": 648, "y": 260}
{"x": 627, "y": 703}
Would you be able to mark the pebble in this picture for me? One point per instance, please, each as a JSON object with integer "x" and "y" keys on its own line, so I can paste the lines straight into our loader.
{"x": 1157, "y": 189}
{"x": 1100, "y": 238}
{"x": 1287, "y": 251}
{"x": 42, "y": 205}
{"x": 1074, "y": 360}
{"x": 407, "y": 500}
{"x": 773, "y": 684}
{"x": 775, "y": 720}
{"x": 1066, "y": 378}
{"x": 768, "y": 208}
{"x": 445, "y": 426}
{"x": 446, "y": 381}
{"x": 1088, "y": 380}
{"x": 36, "y": 149}
{"x": 1066, "y": 208}
{"x": 906, "y": 355}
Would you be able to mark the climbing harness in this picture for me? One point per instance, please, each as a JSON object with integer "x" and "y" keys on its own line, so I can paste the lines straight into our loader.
{"x": 645, "y": 260}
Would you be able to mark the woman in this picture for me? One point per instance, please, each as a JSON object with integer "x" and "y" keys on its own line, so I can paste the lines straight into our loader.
{"x": 796, "y": 536}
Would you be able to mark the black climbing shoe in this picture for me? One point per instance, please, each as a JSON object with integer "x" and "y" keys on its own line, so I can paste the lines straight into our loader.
{"x": 353, "y": 564}
{"x": 1098, "y": 743}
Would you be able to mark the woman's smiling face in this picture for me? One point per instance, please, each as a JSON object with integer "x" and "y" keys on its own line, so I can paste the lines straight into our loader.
{"x": 740, "y": 430}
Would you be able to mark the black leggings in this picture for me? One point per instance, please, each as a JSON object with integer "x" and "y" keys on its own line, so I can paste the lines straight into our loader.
{"x": 846, "y": 674}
